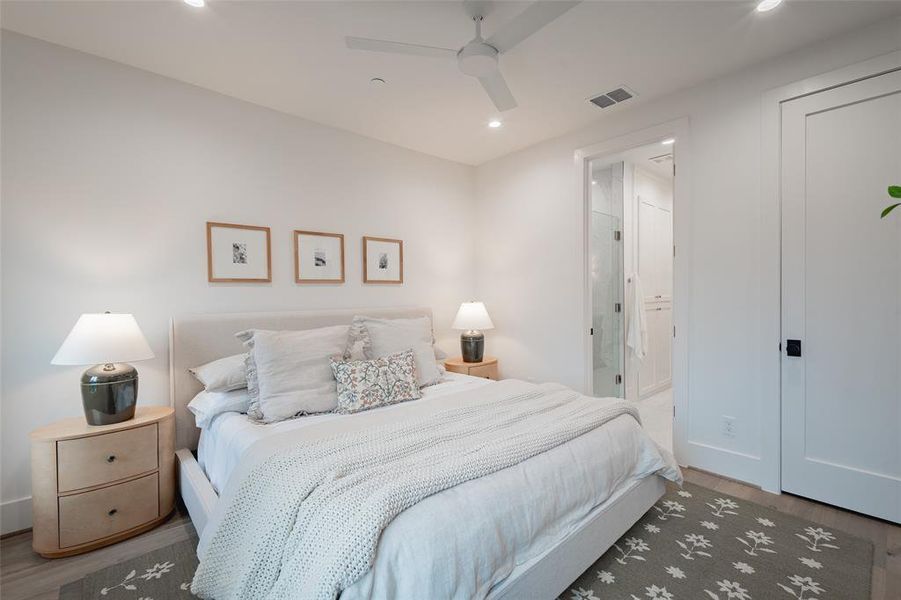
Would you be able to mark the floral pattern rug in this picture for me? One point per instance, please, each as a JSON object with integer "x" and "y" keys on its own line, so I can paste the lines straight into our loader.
{"x": 698, "y": 544}
{"x": 694, "y": 544}
{"x": 164, "y": 574}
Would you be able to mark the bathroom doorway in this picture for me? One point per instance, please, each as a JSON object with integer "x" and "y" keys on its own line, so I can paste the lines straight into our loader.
{"x": 630, "y": 263}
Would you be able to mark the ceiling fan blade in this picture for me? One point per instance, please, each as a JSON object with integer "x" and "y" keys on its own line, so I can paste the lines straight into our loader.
{"x": 497, "y": 90}
{"x": 356, "y": 43}
{"x": 536, "y": 16}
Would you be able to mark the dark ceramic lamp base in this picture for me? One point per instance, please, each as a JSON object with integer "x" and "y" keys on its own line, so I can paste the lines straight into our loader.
{"x": 109, "y": 393}
{"x": 472, "y": 344}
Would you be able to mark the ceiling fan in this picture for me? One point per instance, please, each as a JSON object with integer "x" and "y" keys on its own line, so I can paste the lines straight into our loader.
{"x": 479, "y": 58}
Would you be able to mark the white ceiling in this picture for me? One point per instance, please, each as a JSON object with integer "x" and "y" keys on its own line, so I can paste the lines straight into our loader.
{"x": 290, "y": 56}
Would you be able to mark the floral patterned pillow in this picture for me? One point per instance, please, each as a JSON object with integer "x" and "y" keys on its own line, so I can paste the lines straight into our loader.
{"x": 365, "y": 384}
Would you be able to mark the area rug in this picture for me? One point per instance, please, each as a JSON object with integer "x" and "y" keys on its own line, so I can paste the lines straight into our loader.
{"x": 695, "y": 543}
{"x": 163, "y": 574}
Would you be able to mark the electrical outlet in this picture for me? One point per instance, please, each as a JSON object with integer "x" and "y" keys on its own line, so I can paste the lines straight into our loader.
{"x": 728, "y": 426}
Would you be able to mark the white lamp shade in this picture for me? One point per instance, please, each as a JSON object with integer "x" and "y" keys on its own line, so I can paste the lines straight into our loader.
{"x": 472, "y": 315}
{"x": 103, "y": 338}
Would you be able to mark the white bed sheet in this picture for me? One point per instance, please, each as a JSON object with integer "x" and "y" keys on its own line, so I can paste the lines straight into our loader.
{"x": 231, "y": 434}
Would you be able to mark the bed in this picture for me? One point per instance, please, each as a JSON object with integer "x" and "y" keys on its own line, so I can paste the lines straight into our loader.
{"x": 605, "y": 494}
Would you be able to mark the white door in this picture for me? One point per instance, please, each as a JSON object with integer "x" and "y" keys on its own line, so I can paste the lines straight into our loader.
{"x": 663, "y": 367}
{"x": 664, "y": 227}
{"x": 647, "y": 249}
{"x": 655, "y": 263}
{"x": 655, "y": 251}
{"x": 656, "y": 371}
{"x": 841, "y": 297}
{"x": 647, "y": 373}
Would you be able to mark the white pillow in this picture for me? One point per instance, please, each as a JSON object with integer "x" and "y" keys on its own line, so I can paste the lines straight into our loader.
{"x": 357, "y": 339}
{"x": 384, "y": 337}
{"x": 289, "y": 373}
{"x": 207, "y": 405}
{"x": 222, "y": 375}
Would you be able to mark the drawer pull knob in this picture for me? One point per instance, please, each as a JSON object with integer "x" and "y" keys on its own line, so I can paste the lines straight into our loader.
{"x": 113, "y": 511}
{"x": 111, "y": 458}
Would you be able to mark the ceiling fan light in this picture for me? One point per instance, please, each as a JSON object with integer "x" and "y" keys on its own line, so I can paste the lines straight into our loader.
{"x": 477, "y": 59}
{"x": 767, "y": 5}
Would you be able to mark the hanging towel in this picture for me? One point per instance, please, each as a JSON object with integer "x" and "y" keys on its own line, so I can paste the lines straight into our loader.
{"x": 637, "y": 334}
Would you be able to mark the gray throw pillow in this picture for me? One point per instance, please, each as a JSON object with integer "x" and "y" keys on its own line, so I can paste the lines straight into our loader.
{"x": 288, "y": 372}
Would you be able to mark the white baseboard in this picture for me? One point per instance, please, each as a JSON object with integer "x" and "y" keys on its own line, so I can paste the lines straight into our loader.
{"x": 656, "y": 389}
{"x": 725, "y": 462}
{"x": 15, "y": 515}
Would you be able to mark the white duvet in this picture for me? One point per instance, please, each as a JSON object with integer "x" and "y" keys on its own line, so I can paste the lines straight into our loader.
{"x": 465, "y": 541}
{"x": 230, "y": 435}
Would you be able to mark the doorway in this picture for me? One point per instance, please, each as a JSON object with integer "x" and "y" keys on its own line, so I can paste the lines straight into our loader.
{"x": 630, "y": 264}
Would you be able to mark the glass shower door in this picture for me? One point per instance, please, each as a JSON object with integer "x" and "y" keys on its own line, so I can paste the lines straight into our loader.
{"x": 606, "y": 264}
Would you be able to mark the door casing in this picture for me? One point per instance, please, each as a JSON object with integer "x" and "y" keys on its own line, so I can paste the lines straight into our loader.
{"x": 770, "y": 476}
{"x": 679, "y": 129}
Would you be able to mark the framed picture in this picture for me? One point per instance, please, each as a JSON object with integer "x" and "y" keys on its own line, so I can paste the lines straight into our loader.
{"x": 318, "y": 257}
{"x": 383, "y": 260}
{"x": 238, "y": 253}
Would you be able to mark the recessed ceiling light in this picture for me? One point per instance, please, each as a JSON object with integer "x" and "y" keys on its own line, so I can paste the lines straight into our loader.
{"x": 593, "y": 182}
{"x": 494, "y": 124}
{"x": 767, "y": 5}
{"x": 195, "y": 3}
{"x": 668, "y": 141}
{"x": 377, "y": 81}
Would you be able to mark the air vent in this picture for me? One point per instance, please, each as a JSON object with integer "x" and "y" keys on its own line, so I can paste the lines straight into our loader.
{"x": 603, "y": 101}
{"x": 620, "y": 94}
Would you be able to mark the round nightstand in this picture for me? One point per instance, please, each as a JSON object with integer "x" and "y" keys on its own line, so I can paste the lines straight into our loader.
{"x": 96, "y": 485}
{"x": 487, "y": 368}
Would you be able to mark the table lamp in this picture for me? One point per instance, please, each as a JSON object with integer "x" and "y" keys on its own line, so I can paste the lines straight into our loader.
{"x": 109, "y": 389}
{"x": 472, "y": 317}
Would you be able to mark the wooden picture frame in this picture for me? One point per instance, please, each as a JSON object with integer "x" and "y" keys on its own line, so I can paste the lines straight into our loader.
{"x": 308, "y": 274}
{"x": 383, "y": 258}
{"x": 220, "y": 271}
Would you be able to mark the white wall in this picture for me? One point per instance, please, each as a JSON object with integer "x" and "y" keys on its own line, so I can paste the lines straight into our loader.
{"x": 530, "y": 246}
{"x": 109, "y": 174}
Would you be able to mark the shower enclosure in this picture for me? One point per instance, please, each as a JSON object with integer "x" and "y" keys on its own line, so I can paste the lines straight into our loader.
{"x": 606, "y": 270}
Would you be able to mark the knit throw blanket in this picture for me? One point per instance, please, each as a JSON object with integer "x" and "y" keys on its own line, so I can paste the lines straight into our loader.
{"x": 305, "y": 523}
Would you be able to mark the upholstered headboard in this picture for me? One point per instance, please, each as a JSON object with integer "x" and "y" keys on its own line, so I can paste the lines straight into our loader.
{"x": 197, "y": 339}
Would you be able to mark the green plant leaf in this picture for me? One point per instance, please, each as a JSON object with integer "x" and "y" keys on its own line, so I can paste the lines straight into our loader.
{"x": 894, "y": 191}
{"x": 889, "y": 209}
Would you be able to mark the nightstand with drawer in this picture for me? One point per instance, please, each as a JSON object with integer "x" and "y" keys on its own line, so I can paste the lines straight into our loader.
{"x": 96, "y": 485}
{"x": 486, "y": 368}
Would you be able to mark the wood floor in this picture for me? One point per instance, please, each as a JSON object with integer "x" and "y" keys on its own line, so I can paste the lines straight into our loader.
{"x": 25, "y": 575}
